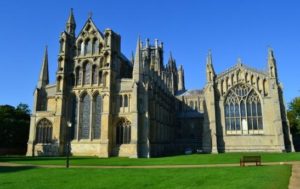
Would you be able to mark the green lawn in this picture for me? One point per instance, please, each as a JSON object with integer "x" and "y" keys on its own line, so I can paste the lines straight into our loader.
{"x": 194, "y": 159}
{"x": 270, "y": 177}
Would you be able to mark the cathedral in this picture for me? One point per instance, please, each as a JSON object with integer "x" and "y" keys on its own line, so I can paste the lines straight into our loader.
{"x": 106, "y": 105}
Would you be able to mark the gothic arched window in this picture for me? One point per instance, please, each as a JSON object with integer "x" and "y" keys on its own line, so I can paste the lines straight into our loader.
{"x": 95, "y": 48}
{"x": 78, "y": 76}
{"x": 88, "y": 47}
{"x": 97, "y": 117}
{"x": 74, "y": 120}
{"x": 44, "y": 131}
{"x": 82, "y": 48}
{"x": 125, "y": 101}
{"x": 123, "y": 132}
{"x": 94, "y": 74}
{"x": 243, "y": 111}
{"x": 100, "y": 78}
{"x": 87, "y": 74}
{"x": 85, "y": 117}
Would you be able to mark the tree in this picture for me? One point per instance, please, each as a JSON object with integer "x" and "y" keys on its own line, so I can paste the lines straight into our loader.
{"x": 14, "y": 126}
{"x": 294, "y": 115}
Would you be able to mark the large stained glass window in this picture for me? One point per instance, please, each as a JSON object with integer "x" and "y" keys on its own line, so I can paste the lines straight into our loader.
{"x": 243, "y": 114}
{"x": 85, "y": 117}
{"x": 97, "y": 117}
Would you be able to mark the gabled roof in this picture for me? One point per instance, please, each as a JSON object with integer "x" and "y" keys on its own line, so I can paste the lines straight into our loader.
{"x": 190, "y": 92}
{"x": 92, "y": 24}
{"x": 240, "y": 66}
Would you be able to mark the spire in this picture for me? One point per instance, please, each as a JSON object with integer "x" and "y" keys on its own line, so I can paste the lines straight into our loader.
{"x": 44, "y": 74}
{"x": 172, "y": 63}
{"x": 272, "y": 64}
{"x": 136, "y": 66}
{"x": 210, "y": 72}
{"x": 132, "y": 58}
{"x": 171, "y": 57}
{"x": 71, "y": 24}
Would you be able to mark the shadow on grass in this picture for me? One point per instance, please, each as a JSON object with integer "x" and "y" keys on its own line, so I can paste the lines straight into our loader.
{"x": 24, "y": 158}
{"x": 8, "y": 169}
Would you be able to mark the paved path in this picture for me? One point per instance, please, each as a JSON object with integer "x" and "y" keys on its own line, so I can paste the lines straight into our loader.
{"x": 143, "y": 166}
{"x": 294, "y": 179}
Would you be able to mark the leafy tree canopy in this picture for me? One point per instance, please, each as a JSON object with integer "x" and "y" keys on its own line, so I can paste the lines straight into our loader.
{"x": 14, "y": 125}
{"x": 294, "y": 115}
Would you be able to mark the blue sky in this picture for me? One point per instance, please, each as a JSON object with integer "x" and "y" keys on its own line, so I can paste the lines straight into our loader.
{"x": 231, "y": 29}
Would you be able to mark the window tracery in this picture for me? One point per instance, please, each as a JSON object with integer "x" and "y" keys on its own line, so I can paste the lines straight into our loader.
{"x": 94, "y": 75}
{"x": 85, "y": 117}
{"x": 243, "y": 111}
{"x": 97, "y": 117}
{"x": 74, "y": 117}
{"x": 78, "y": 76}
{"x": 123, "y": 132}
{"x": 87, "y": 74}
{"x": 44, "y": 131}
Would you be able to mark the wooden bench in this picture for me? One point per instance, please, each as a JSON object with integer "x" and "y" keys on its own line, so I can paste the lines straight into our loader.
{"x": 250, "y": 159}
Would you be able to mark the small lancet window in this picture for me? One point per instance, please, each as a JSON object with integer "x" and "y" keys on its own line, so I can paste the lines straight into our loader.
{"x": 95, "y": 48}
{"x": 125, "y": 101}
{"x": 94, "y": 74}
{"x": 100, "y": 77}
{"x": 78, "y": 76}
{"x": 87, "y": 74}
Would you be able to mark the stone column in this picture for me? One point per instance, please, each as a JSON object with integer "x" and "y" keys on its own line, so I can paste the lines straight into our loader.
{"x": 105, "y": 130}
{"x": 32, "y": 134}
{"x": 135, "y": 119}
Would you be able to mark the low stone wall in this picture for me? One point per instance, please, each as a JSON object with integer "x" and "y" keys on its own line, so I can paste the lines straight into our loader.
{"x": 46, "y": 150}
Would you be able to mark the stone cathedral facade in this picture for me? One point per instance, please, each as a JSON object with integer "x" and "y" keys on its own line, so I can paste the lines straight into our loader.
{"x": 140, "y": 107}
